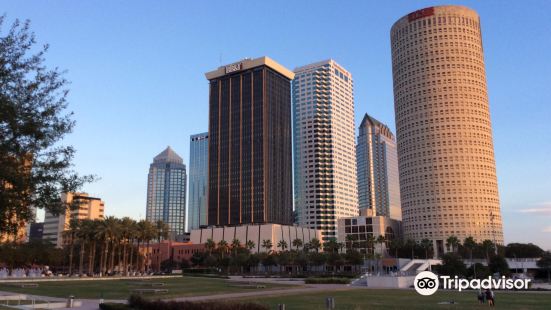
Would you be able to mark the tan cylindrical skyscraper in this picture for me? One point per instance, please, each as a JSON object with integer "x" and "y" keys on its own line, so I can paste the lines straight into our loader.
{"x": 446, "y": 156}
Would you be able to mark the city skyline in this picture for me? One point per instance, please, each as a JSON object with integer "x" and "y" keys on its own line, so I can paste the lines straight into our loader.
{"x": 521, "y": 186}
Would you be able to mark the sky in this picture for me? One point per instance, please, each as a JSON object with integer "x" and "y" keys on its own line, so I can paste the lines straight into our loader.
{"x": 137, "y": 80}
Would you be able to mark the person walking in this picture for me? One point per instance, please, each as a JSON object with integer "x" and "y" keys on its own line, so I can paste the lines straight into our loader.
{"x": 481, "y": 296}
{"x": 490, "y": 297}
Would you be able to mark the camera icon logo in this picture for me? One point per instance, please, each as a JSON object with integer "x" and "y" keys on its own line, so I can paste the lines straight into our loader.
{"x": 426, "y": 283}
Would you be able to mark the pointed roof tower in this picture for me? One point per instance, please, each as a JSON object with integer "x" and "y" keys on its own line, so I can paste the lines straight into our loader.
{"x": 168, "y": 156}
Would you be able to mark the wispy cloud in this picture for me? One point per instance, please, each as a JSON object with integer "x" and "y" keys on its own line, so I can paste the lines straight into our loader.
{"x": 539, "y": 209}
{"x": 547, "y": 229}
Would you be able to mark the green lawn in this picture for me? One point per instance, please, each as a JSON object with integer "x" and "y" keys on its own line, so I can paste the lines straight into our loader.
{"x": 120, "y": 289}
{"x": 359, "y": 299}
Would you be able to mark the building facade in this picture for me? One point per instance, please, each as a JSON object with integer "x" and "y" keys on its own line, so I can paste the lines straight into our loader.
{"x": 250, "y": 143}
{"x": 448, "y": 177}
{"x": 324, "y": 148}
{"x": 80, "y": 206}
{"x": 377, "y": 164}
{"x": 258, "y": 235}
{"x": 166, "y": 192}
{"x": 361, "y": 232}
{"x": 198, "y": 176}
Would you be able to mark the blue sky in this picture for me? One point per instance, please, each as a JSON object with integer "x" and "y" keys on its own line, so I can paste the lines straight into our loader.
{"x": 137, "y": 72}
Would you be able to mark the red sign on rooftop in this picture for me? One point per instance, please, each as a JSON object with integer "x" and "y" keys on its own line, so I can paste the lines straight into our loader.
{"x": 420, "y": 14}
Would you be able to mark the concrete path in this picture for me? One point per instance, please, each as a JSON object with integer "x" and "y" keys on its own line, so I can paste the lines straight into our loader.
{"x": 272, "y": 292}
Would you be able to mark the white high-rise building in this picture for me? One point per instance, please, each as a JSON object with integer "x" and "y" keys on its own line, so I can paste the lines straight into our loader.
{"x": 324, "y": 147}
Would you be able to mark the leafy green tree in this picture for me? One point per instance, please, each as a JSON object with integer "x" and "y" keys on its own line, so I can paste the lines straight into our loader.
{"x": 479, "y": 271}
{"x": 498, "y": 264}
{"x": 545, "y": 263}
{"x": 523, "y": 250}
{"x": 353, "y": 258}
{"x": 427, "y": 246}
{"x": 452, "y": 265}
{"x": 35, "y": 168}
{"x": 470, "y": 244}
{"x": 488, "y": 247}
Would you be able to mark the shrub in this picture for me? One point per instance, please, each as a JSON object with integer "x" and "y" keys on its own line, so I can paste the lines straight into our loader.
{"x": 137, "y": 302}
{"x": 327, "y": 281}
{"x": 113, "y": 306}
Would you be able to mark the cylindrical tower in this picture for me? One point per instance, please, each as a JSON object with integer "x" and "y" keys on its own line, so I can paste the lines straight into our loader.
{"x": 448, "y": 177}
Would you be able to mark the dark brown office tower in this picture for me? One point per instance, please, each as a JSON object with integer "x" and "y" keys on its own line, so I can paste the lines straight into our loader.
{"x": 250, "y": 143}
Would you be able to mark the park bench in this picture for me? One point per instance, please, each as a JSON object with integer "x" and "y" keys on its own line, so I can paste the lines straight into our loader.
{"x": 142, "y": 291}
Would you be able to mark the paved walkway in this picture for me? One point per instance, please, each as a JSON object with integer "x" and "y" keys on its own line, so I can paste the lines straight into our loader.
{"x": 272, "y": 292}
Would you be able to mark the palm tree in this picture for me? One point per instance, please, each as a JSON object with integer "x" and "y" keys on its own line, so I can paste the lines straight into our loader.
{"x": 126, "y": 227}
{"x": 331, "y": 245}
{"x": 148, "y": 232}
{"x": 349, "y": 241}
{"x": 488, "y": 246}
{"x": 470, "y": 244}
{"x": 452, "y": 242}
{"x": 426, "y": 244}
{"x": 250, "y": 245}
{"x": 282, "y": 244}
{"x": 92, "y": 230}
{"x": 410, "y": 244}
{"x": 162, "y": 230}
{"x": 113, "y": 233}
{"x": 297, "y": 243}
{"x": 267, "y": 244}
{"x": 235, "y": 245}
{"x": 210, "y": 245}
{"x": 81, "y": 237}
{"x": 133, "y": 238}
{"x": 315, "y": 244}
{"x": 370, "y": 240}
{"x": 223, "y": 247}
{"x": 70, "y": 234}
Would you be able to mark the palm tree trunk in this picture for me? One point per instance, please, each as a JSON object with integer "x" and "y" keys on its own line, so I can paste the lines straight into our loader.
{"x": 81, "y": 258}
{"x": 105, "y": 257}
{"x": 112, "y": 261}
{"x": 91, "y": 257}
{"x": 124, "y": 265}
{"x": 71, "y": 258}
{"x": 102, "y": 250}
{"x": 131, "y": 256}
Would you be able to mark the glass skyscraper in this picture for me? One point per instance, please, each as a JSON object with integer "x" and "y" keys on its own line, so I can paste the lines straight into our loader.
{"x": 377, "y": 164}
{"x": 198, "y": 176}
{"x": 250, "y": 143}
{"x": 166, "y": 191}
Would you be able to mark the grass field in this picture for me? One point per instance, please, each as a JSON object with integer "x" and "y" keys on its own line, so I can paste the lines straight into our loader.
{"x": 359, "y": 299}
{"x": 120, "y": 289}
